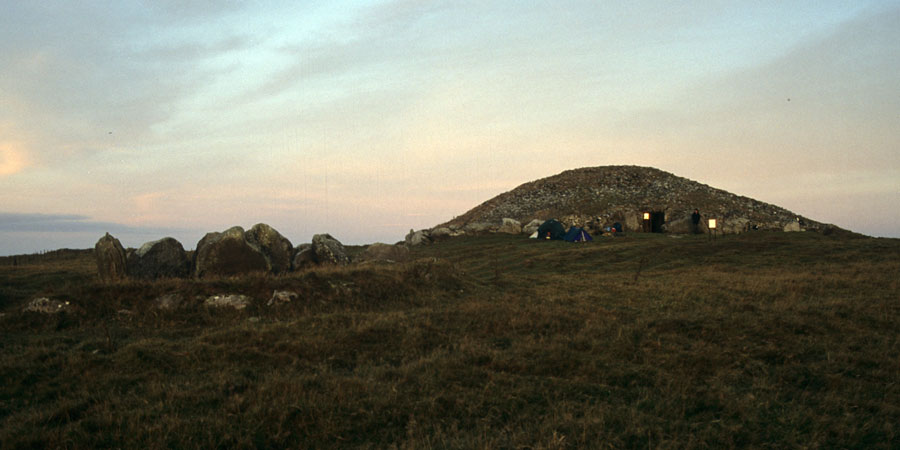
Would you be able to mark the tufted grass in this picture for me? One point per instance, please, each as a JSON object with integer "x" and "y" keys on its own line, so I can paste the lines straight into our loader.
{"x": 771, "y": 340}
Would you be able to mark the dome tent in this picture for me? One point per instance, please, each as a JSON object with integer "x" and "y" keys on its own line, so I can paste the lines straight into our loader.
{"x": 577, "y": 234}
{"x": 551, "y": 229}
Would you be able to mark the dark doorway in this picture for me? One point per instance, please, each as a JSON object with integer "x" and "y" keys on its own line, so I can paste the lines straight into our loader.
{"x": 657, "y": 219}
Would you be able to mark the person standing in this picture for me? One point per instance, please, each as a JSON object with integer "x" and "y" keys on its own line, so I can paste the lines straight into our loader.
{"x": 695, "y": 222}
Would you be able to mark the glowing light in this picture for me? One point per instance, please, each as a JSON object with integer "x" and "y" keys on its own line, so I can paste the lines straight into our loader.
{"x": 646, "y": 216}
{"x": 712, "y": 224}
{"x": 12, "y": 159}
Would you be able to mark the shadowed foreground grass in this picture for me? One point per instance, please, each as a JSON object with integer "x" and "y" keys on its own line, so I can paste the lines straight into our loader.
{"x": 762, "y": 340}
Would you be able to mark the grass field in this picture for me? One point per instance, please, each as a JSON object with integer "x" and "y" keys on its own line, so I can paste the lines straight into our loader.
{"x": 763, "y": 340}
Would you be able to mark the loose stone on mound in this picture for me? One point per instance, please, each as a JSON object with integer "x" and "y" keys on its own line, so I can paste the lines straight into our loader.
{"x": 531, "y": 227}
{"x": 421, "y": 237}
{"x": 110, "y": 258}
{"x": 510, "y": 226}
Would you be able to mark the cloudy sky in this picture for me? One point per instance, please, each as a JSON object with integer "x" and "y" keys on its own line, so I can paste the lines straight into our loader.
{"x": 365, "y": 119}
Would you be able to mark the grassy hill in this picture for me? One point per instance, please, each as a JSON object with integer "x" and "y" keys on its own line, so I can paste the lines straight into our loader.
{"x": 643, "y": 341}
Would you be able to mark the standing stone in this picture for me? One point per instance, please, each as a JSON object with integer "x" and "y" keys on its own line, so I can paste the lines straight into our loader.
{"x": 164, "y": 258}
{"x": 303, "y": 257}
{"x": 110, "y": 258}
{"x": 329, "y": 250}
{"x": 277, "y": 249}
{"x": 226, "y": 254}
{"x": 510, "y": 226}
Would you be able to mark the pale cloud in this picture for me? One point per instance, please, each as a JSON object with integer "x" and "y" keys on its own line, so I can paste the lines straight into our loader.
{"x": 12, "y": 158}
{"x": 348, "y": 117}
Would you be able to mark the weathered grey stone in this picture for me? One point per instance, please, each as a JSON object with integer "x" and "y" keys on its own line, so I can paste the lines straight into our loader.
{"x": 510, "y": 226}
{"x": 329, "y": 250}
{"x": 45, "y": 305}
{"x": 236, "y": 301}
{"x": 791, "y": 226}
{"x": 384, "y": 252}
{"x": 478, "y": 228}
{"x": 421, "y": 237}
{"x": 169, "y": 302}
{"x": 532, "y": 226}
{"x": 282, "y": 297}
{"x": 164, "y": 258}
{"x": 441, "y": 233}
{"x": 277, "y": 249}
{"x": 733, "y": 225}
{"x": 226, "y": 254}
{"x": 110, "y": 258}
{"x": 304, "y": 257}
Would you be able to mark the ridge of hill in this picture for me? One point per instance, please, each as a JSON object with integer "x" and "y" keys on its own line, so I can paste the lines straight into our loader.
{"x": 601, "y": 196}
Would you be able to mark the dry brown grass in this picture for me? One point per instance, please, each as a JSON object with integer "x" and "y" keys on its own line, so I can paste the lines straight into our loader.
{"x": 767, "y": 340}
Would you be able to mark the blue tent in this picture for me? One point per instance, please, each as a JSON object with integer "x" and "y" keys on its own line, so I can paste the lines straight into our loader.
{"x": 577, "y": 234}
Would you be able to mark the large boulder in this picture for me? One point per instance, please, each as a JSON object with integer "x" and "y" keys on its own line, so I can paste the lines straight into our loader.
{"x": 532, "y": 227}
{"x": 304, "y": 257}
{"x": 277, "y": 249}
{"x": 479, "y": 228}
{"x": 329, "y": 250}
{"x": 441, "y": 233}
{"x": 793, "y": 225}
{"x": 421, "y": 237}
{"x": 110, "y": 258}
{"x": 228, "y": 253}
{"x": 384, "y": 252}
{"x": 164, "y": 258}
{"x": 510, "y": 226}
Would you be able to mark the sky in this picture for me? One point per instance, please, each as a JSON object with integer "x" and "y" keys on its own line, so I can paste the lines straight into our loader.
{"x": 365, "y": 119}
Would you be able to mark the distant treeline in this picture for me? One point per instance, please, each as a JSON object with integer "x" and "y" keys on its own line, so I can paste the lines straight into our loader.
{"x": 62, "y": 254}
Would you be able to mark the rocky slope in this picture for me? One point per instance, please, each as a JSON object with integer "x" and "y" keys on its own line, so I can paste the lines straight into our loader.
{"x": 600, "y": 196}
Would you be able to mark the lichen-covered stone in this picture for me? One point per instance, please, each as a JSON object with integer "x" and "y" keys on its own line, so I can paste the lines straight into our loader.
{"x": 227, "y": 254}
{"x": 164, "y": 258}
{"x": 304, "y": 257}
{"x": 510, "y": 226}
{"x": 277, "y": 249}
{"x": 110, "y": 259}
{"x": 421, "y": 237}
{"x": 328, "y": 250}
